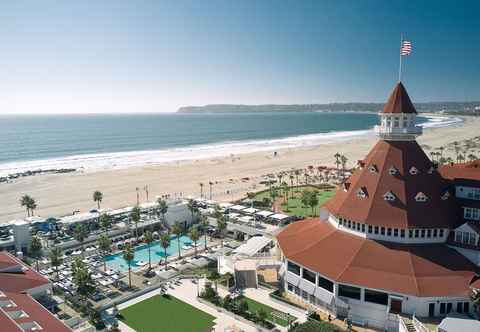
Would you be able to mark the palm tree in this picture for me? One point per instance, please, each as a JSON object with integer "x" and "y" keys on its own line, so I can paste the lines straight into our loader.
{"x": 192, "y": 207}
{"x": 29, "y": 204}
{"x": 291, "y": 183}
{"x": 461, "y": 158}
{"x": 105, "y": 248}
{"x": 97, "y": 197}
{"x": 82, "y": 279}
{"x": 148, "y": 238}
{"x": 32, "y": 205}
{"x": 56, "y": 259}
{"x": 201, "y": 190}
{"x": 35, "y": 249}
{"x": 337, "y": 161}
{"x": 162, "y": 208}
{"x": 80, "y": 234}
{"x": 165, "y": 243}
{"x": 128, "y": 256}
{"x": 456, "y": 148}
{"x": 210, "y": 183}
{"x": 135, "y": 217}
{"x": 204, "y": 223}
{"x": 194, "y": 235}
{"x": 297, "y": 174}
{"x": 177, "y": 229}
{"x": 343, "y": 160}
{"x": 221, "y": 226}
{"x": 313, "y": 201}
{"x": 104, "y": 221}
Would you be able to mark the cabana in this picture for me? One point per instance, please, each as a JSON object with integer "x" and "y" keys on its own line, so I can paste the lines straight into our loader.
{"x": 278, "y": 217}
{"x": 238, "y": 208}
{"x": 250, "y": 211}
{"x": 264, "y": 214}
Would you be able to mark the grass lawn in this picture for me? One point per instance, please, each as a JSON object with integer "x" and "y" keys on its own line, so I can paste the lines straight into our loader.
{"x": 166, "y": 313}
{"x": 295, "y": 206}
{"x": 254, "y": 306}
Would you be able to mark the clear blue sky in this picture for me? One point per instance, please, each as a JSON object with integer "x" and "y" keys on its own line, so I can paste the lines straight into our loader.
{"x": 143, "y": 56}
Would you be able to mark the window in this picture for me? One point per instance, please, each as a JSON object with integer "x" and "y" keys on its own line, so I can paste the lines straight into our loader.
{"x": 422, "y": 233}
{"x": 362, "y": 192}
{"x": 396, "y": 122}
{"x": 395, "y": 232}
{"x": 459, "y": 307}
{"x": 417, "y": 232}
{"x": 410, "y": 233}
{"x": 471, "y": 213}
{"x": 290, "y": 287}
{"x": 440, "y": 233}
{"x": 421, "y": 197}
{"x": 443, "y": 308}
{"x": 325, "y": 284}
{"x": 354, "y": 225}
{"x": 294, "y": 268}
{"x": 308, "y": 275}
{"x": 402, "y": 233}
{"x": 413, "y": 170}
{"x": 389, "y": 232}
{"x": 349, "y": 291}
{"x": 363, "y": 228}
{"x": 376, "y": 297}
{"x": 382, "y": 231}
{"x": 429, "y": 233}
{"x": 435, "y": 232}
{"x": 349, "y": 224}
{"x": 392, "y": 170}
{"x": 445, "y": 196}
{"x": 370, "y": 229}
{"x": 389, "y": 196}
{"x": 305, "y": 295}
{"x": 376, "y": 229}
{"x": 466, "y": 307}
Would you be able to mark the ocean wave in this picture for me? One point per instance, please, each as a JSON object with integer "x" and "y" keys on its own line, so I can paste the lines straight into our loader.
{"x": 118, "y": 160}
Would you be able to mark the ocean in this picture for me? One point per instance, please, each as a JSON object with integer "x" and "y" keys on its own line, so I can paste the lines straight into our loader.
{"x": 39, "y": 142}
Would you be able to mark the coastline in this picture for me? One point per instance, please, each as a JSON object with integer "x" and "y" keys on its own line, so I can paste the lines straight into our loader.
{"x": 60, "y": 194}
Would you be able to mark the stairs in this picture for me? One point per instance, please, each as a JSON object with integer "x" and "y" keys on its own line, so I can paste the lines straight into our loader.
{"x": 410, "y": 327}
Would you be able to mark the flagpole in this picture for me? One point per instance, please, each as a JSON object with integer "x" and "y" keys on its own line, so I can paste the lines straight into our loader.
{"x": 400, "y": 66}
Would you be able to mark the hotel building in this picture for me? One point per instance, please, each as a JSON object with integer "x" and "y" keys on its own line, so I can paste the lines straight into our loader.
{"x": 400, "y": 236}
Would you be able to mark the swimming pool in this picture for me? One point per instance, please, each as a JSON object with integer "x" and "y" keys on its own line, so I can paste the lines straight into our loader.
{"x": 116, "y": 261}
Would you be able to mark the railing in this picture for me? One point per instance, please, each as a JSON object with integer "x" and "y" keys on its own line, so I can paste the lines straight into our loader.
{"x": 402, "y": 327}
{"x": 419, "y": 327}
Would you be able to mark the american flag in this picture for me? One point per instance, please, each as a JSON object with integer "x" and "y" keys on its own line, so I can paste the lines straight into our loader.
{"x": 406, "y": 48}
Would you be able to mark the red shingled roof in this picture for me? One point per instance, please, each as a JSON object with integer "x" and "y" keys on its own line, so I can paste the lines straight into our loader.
{"x": 467, "y": 171}
{"x": 16, "y": 281}
{"x": 376, "y": 180}
{"x": 399, "y": 101}
{"x": 419, "y": 270}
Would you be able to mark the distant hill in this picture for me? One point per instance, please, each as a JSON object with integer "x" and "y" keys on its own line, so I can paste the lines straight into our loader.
{"x": 467, "y": 108}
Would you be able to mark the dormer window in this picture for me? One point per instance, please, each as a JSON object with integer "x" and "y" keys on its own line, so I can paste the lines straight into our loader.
{"x": 373, "y": 169}
{"x": 392, "y": 170}
{"x": 413, "y": 170}
{"x": 446, "y": 195}
{"x": 421, "y": 197}
{"x": 389, "y": 196}
{"x": 430, "y": 170}
{"x": 346, "y": 186}
{"x": 361, "y": 164}
{"x": 362, "y": 192}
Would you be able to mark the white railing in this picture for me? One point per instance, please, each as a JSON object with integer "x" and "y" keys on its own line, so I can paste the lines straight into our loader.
{"x": 419, "y": 327}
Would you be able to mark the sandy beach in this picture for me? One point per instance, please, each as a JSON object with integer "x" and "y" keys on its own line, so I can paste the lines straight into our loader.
{"x": 60, "y": 194}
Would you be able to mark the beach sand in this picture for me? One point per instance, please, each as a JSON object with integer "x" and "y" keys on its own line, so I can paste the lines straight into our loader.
{"x": 60, "y": 194}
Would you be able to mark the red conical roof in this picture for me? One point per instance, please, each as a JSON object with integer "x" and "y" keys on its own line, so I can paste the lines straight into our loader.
{"x": 399, "y": 170}
{"x": 399, "y": 101}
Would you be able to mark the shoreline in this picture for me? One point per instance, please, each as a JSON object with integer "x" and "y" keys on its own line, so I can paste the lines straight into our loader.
{"x": 61, "y": 194}
{"x": 10, "y": 171}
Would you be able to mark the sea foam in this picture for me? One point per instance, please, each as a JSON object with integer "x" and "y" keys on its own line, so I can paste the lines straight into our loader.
{"x": 118, "y": 160}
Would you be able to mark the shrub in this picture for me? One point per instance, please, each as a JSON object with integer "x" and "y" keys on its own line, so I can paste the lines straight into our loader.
{"x": 315, "y": 326}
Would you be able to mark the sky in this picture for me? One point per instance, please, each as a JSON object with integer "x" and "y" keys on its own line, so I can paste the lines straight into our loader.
{"x": 107, "y": 56}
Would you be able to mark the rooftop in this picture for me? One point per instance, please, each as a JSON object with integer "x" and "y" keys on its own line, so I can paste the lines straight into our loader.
{"x": 419, "y": 270}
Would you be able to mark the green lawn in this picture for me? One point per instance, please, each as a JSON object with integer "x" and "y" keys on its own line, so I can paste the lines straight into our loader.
{"x": 166, "y": 313}
{"x": 295, "y": 207}
{"x": 254, "y": 306}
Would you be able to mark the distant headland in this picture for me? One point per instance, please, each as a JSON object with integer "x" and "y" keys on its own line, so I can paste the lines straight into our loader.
{"x": 459, "y": 108}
